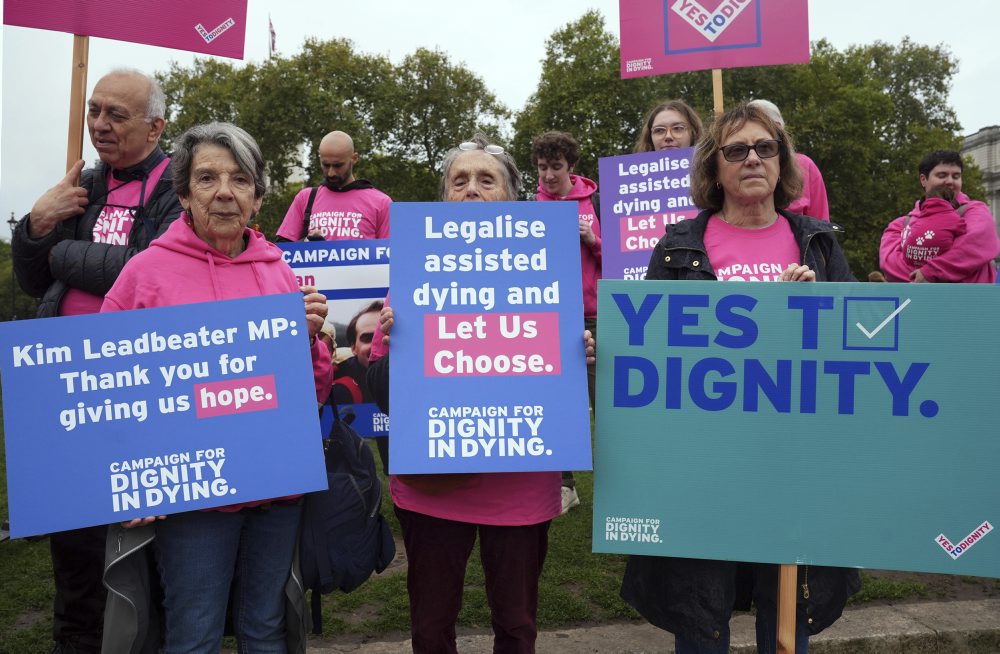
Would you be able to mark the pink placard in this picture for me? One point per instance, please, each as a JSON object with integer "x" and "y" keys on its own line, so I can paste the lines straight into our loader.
{"x": 491, "y": 344}
{"x": 216, "y": 28}
{"x": 674, "y": 36}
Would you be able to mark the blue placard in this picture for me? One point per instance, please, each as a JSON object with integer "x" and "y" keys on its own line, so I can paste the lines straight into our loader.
{"x": 351, "y": 274}
{"x": 830, "y": 424}
{"x": 114, "y": 416}
{"x": 641, "y": 194}
{"x": 487, "y": 360}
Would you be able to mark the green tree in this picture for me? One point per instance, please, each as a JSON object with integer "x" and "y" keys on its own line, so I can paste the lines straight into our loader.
{"x": 866, "y": 115}
{"x": 22, "y": 305}
{"x": 402, "y": 118}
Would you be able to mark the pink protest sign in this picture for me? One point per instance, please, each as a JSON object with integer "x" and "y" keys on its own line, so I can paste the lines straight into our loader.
{"x": 215, "y": 28}
{"x": 673, "y": 36}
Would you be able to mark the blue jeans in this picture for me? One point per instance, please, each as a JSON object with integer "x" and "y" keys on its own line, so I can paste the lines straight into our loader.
{"x": 203, "y": 553}
{"x": 767, "y": 630}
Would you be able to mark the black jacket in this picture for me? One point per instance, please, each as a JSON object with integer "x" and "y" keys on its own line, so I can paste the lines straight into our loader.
{"x": 695, "y": 597}
{"x": 681, "y": 254}
{"x": 67, "y": 257}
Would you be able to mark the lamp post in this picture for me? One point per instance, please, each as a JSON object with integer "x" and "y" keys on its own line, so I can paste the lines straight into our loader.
{"x": 12, "y": 223}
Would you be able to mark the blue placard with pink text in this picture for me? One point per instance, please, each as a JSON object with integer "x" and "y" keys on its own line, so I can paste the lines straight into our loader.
{"x": 487, "y": 356}
{"x": 114, "y": 416}
{"x": 351, "y": 274}
{"x": 641, "y": 194}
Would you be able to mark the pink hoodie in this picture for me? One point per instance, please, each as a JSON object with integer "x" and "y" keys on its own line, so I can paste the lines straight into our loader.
{"x": 813, "y": 200}
{"x": 969, "y": 260}
{"x": 590, "y": 255}
{"x": 180, "y": 268}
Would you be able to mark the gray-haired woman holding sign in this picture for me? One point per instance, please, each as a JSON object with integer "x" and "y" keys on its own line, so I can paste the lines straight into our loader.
{"x": 243, "y": 551}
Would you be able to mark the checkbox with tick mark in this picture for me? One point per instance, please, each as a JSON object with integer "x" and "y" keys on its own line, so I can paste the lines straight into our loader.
{"x": 872, "y": 323}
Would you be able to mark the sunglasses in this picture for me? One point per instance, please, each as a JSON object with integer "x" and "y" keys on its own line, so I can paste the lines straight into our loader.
{"x": 366, "y": 337}
{"x": 489, "y": 149}
{"x": 765, "y": 149}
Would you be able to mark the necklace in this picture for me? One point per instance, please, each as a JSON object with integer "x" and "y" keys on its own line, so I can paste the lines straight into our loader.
{"x": 773, "y": 220}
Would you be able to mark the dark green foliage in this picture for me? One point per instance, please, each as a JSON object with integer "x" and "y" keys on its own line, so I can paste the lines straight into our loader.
{"x": 402, "y": 118}
{"x": 866, "y": 115}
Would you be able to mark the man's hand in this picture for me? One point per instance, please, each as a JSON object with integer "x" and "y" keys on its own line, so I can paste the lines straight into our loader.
{"x": 316, "y": 309}
{"x": 61, "y": 202}
{"x": 917, "y": 277}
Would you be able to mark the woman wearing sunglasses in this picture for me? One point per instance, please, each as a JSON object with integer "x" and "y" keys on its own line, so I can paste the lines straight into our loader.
{"x": 744, "y": 176}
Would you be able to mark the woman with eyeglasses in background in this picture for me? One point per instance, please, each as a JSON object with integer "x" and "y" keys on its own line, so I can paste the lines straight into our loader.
{"x": 744, "y": 176}
{"x": 671, "y": 124}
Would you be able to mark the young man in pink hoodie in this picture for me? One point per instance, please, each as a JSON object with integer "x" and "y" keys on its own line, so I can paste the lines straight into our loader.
{"x": 555, "y": 155}
{"x": 969, "y": 259}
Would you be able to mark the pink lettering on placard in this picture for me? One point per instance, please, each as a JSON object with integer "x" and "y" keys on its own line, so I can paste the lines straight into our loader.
{"x": 641, "y": 233}
{"x": 491, "y": 344}
{"x": 231, "y": 396}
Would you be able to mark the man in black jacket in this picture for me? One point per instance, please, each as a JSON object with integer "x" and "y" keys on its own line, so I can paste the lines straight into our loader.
{"x": 69, "y": 251}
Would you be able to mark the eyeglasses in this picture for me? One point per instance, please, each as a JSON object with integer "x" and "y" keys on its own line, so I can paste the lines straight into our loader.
{"x": 366, "y": 337}
{"x": 680, "y": 129}
{"x": 489, "y": 149}
{"x": 765, "y": 149}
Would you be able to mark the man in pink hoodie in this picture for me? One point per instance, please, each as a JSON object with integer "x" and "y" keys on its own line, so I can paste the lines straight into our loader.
{"x": 969, "y": 259}
{"x": 555, "y": 155}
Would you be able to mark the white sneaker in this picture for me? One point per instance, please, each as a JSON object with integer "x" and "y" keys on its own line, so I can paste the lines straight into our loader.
{"x": 569, "y": 499}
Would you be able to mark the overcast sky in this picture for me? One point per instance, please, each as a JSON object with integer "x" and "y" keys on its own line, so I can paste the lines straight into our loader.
{"x": 503, "y": 42}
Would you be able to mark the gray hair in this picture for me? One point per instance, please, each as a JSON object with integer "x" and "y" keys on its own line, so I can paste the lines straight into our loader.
{"x": 769, "y": 108}
{"x": 243, "y": 147}
{"x": 511, "y": 175}
{"x": 156, "y": 103}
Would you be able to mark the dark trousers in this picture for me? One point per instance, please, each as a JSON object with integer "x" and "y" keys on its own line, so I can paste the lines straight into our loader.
{"x": 78, "y": 568}
{"x": 437, "y": 552}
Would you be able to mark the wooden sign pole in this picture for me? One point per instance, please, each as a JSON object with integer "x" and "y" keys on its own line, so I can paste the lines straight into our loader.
{"x": 787, "y": 595}
{"x": 717, "y": 90}
{"x": 77, "y": 99}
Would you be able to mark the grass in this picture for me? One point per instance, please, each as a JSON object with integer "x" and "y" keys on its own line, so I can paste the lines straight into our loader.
{"x": 882, "y": 589}
{"x": 577, "y": 586}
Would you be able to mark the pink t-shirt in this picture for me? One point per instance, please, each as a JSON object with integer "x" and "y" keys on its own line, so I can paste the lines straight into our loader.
{"x": 113, "y": 226}
{"x": 750, "y": 255}
{"x": 361, "y": 213}
{"x": 501, "y": 498}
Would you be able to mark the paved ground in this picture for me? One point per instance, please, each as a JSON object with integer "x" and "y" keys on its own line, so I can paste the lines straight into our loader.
{"x": 918, "y": 628}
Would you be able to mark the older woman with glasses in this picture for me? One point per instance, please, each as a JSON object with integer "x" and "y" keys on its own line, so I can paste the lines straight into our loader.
{"x": 209, "y": 254}
{"x": 744, "y": 176}
{"x": 671, "y": 124}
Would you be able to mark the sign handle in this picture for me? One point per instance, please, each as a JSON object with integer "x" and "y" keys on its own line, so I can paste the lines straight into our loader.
{"x": 77, "y": 99}
{"x": 717, "y": 90}
{"x": 787, "y": 594}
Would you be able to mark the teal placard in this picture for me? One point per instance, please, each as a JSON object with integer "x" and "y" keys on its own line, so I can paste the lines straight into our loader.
{"x": 829, "y": 424}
